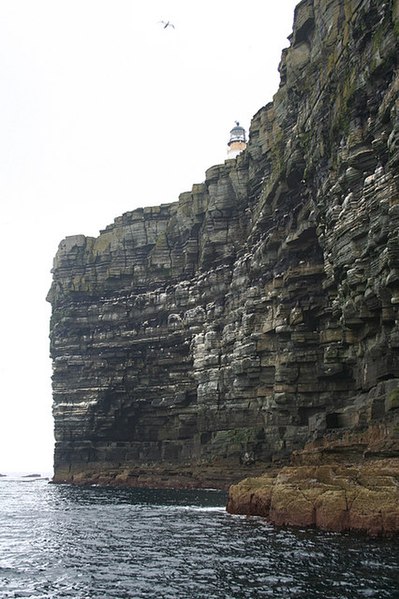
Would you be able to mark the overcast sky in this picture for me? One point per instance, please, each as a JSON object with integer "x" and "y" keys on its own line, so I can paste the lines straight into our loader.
{"x": 102, "y": 110}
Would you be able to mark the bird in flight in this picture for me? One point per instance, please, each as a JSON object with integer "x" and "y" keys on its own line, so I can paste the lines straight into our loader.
{"x": 167, "y": 24}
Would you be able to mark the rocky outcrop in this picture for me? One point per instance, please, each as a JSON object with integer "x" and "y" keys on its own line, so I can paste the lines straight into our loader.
{"x": 222, "y": 332}
{"x": 343, "y": 481}
{"x": 335, "y": 497}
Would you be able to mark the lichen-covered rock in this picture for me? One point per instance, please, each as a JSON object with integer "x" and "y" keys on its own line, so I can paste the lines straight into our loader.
{"x": 260, "y": 310}
{"x": 362, "y": 498}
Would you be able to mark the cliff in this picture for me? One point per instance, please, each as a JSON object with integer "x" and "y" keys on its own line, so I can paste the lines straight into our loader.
{"x": 199, "y": 341}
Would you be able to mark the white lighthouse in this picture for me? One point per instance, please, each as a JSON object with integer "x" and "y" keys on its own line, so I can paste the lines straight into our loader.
{"x": 237, "y": 142}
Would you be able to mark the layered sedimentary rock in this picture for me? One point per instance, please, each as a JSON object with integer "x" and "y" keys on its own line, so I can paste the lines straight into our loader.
{"x": 198, "y": 340}
{"x": 342, "y": 481}
{"x": 334, "y": 497}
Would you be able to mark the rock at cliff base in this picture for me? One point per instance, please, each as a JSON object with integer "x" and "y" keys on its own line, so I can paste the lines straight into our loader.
{"x": 362, "y": 498}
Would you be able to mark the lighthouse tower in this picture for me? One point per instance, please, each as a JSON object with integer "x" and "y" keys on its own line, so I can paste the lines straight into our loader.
{"x": 237, "y": 142}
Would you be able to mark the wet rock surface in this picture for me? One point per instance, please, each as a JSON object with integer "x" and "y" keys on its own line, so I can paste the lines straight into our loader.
{"x": 334, "y": 497}
{"x": 259, "y": 312}
{"x": 342, "y": 482}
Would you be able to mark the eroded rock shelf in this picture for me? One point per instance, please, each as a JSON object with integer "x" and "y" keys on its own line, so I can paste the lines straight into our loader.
{"x": 201, "y": 341}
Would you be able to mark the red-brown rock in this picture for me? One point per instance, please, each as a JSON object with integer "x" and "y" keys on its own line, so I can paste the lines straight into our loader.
{"x": 333, "y": 497}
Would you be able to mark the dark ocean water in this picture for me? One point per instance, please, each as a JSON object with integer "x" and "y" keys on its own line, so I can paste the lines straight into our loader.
{"x": 60, "y": 541}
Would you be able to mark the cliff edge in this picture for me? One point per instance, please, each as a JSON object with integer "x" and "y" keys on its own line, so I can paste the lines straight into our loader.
{"x": 198, "y": 342}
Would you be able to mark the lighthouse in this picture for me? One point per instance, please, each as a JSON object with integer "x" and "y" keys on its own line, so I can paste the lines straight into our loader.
{"x": 237, "y": 142}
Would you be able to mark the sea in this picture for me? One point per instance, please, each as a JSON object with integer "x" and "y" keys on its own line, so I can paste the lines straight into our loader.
{"x": 92, "y": 542}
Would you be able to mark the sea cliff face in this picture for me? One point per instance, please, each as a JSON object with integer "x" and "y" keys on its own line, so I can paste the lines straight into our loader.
{"x": 197, "y": 341}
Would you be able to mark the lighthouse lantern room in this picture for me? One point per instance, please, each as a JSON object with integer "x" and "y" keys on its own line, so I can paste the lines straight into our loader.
{"x": 237, "y": 142}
